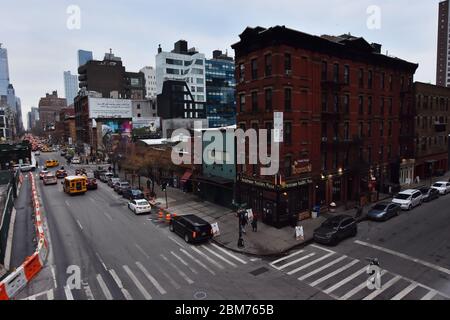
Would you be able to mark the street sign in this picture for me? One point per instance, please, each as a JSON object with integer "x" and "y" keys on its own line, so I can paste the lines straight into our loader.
{"x": 299, "y": 234}
{"x": 215, "y": 229}
{"x": 249, "y": 215}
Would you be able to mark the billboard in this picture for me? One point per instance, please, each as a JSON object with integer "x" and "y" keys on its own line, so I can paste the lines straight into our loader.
{"x": 113, "y": 132}
{"x": 102, "y": 108}
{"x": 147, "y": 128}
{"x": 116, "y": 126}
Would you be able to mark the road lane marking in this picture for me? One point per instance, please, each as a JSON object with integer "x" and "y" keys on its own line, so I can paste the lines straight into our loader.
{"x": 108, "y": 216}
{"x": 151, "y": 278}
{"x": 101, "y": 261}
{"x": 79, "y": 224}
{"x": 139, "y": 285}
{"x": 321, "y": 268}
{"x": 54, "y": 277}
{"x": 173, "y": 282}
{"x": 104, "y": 288}
{"x": 219, "y": 256}
{"x": 285, "y": 258}
{"x": 184, "y": 262}
{"x": 346, "y": 280}
{"x": 358, "y": 288}
{"x": 385, "y": 286}
{"x": 116, "y": 278}
{"x": 404, "y": 292}
{"x": 229, "y": 254}
{"x": 295, "y": 261}
{"x": 87, "y": 291}
{"x": 332, "y": 274}
{"x": 50, "y": 295}
{"x": 67, "y": 203}
{"x": 310, "y": 264}
{"x": 181, "y": 273}
{"x": 405, "y": 256}
{"x": 68, "y": 293}
{"x": 208, "y": 258}
{"x": 178, "y": 243}
{"x": 198, "y": 261}
{"x": 322, "y": 248}
{"x": 430, "y": 295}
{"x": 142, "y": 250}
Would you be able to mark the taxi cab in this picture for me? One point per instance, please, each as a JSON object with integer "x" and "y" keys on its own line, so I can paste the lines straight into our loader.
{"x": 51, "y": 163}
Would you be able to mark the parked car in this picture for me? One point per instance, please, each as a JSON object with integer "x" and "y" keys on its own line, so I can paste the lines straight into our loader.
{"x": 121, "y": 186}
{"x": 37, "y": 153}
{"x": 105, "y": 176}
{"x": 408, "y": 199}
{"x": 91, "y": 183}
{"x": 429, "y": 194}
{"x": 63, "y": 153}
{"x": 442, "y": 186}
{"x": 140, "y": 206}
{"x": 43, "y": 173}
{"x": 26, "y": 167}
{"x": 191, "y": 227}
{"x": 61, "y": 173}
{"x": 335, "y": 229}
{"x": 133, "y": 194}
{"x": 50, "y": 178}
{"x": 99, "y": 171}
{"x": 76, "y": 160}
{"x": 383, "y": 211}
{"x": 112, "y": 181}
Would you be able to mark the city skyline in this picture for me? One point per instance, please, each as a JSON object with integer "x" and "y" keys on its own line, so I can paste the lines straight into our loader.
{"x": 211, "y": 26}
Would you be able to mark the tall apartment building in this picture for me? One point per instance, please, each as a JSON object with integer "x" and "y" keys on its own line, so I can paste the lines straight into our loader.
{"x": 220, "y": 90}
{"x": 150, "y": 81}
{"x": 110, "y": 78}
{"x": 33, "y": 117}
{"x": 4, "y": 71}
{"x": 341, "y": 101}
{"x": 443, "y": 45}
{"x": 49, "y": 109}
{"x": 83, "y": 57}
{"x": 70, "y": 86}
{"x": 182, "y": 64}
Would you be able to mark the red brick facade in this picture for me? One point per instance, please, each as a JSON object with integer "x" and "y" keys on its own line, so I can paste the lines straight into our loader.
{"x": 334, "y": 148}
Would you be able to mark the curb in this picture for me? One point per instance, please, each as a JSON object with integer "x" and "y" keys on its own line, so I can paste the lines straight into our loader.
{"x": 33, "y": 264}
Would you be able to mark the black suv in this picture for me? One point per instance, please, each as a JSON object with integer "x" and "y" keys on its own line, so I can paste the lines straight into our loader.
{"x": 335, "y": 229}
{"x": 191, "y": 228}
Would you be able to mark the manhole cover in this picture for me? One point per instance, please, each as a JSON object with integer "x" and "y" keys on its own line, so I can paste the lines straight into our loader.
{"x": 200, "y": 295}
{"x": 259, "y": 271}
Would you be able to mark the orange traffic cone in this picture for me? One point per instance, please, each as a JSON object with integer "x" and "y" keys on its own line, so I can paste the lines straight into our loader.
{"x": 168, "y": 218}
{"x": 160, "y": 215}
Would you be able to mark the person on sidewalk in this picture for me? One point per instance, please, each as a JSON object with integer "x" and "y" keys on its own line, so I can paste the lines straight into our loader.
{"x": 243, "y": 220}
{"x": 255, "y": 222}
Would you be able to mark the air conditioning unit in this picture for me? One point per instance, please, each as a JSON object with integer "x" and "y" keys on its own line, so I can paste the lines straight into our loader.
{"x": 289, "y": 72}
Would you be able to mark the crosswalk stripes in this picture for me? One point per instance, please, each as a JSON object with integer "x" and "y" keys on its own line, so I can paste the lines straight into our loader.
{"x": 181, "y": 273}
{"x": 183, "y": 262}
{"x": 208, "y": 258}
{"x": 169, "y": 278}
{"x": 151, "y": 278}
{"x": 198, "y": 262}
{"x": 139, "y": 285}
{"x": 219, "y": 256}
{"x": 332, "y": 276}
{"x": 118, "y": 282}
{"x": 229, "y": 254}
{"x": 104, "y": 288}
{"x": 87, "y": 290}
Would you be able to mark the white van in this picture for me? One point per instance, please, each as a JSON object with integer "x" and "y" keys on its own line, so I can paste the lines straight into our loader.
{"x": 408, "y": 199}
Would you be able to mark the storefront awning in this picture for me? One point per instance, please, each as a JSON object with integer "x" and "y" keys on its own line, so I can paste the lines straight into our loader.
{"x": 186, "y": 176}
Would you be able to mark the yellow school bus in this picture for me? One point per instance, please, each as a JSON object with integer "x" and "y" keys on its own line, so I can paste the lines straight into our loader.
{"x": 75, "y": 184}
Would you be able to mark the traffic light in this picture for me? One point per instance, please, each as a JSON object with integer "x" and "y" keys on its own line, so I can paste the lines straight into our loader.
{"x": 164, "y": 186}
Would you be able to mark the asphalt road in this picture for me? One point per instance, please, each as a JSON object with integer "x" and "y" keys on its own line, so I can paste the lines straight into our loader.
{"x": 123, "y": 256}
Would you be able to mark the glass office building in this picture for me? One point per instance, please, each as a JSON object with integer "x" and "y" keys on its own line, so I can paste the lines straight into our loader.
{"x": 83, "y": 57}
{"x": 220, "y": 91}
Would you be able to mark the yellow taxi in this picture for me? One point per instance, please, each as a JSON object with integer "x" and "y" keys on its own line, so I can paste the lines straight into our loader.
{"x": 51, "y": 163}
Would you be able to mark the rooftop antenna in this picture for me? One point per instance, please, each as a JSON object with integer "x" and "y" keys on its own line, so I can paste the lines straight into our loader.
{"x": 110, "y": 51}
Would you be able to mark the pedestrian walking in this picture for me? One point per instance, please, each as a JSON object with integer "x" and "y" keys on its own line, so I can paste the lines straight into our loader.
{"x": 244, "y": 220}
{"x": 255, "y": 222}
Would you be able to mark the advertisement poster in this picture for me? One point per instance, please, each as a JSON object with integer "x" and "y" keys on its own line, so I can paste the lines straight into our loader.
{"x": 147, "y": 128}
{"x": 102, "y": 108}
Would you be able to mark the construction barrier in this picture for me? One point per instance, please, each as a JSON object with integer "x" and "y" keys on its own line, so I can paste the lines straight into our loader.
{"x": 17, "y": 280}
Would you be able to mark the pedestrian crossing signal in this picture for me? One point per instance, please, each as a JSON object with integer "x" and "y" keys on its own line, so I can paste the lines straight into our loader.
{"x": 164, "y": 186}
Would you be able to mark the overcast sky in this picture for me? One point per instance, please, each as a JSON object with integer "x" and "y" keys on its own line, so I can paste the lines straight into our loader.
{"x": 41, "y": 47}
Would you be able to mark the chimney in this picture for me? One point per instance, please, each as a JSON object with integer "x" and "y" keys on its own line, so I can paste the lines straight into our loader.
{"x": 159, "y": 49}
{"x": 376, "y": 47}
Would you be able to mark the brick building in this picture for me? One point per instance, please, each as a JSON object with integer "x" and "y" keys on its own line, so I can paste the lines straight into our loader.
{"x": 341, "y": 101}
{"x": 431, "y": 129}
{"x": 49, "y": 108}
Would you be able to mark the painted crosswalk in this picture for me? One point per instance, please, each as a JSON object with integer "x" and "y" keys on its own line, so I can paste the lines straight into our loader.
{"x": 346, "y": 278}
{"x": 154, "y": 276}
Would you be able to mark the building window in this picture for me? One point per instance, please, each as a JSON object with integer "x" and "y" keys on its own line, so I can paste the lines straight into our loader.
{"x": 324, "y": 130}
{"x": 381, "y": 153}
{"x": 288, "y": 166}
{"x": 369, "y": 129}
{"x": 336, "y": 103}
{"x": 335, "y": 131}
{"x": 390, "y": 106}
{"x": 138, "y": 106}
{"x": 369, "y": 105}
{"x": 402, "y": 82}
{"x": 361, "y": 78}
{"x": 335, "y": 160}
{"x": 382, "y": 80}
{"x": 346, "y": 74}
{"x": 369, "y": 155}
{"x": 254, "y": 69}
{"x": 288, "y": 99}
{"x": 361, "y": 129}
{"x": 324, "y": 73}
{"x": 241, "y": 72}
{"x": 346, "y": 131}
{"x": 391, "y": 85}
{"x": 287, "y": 63}
{"x": 268, "y": 99}
{"x": 268, "y": 64}
{"x": 389, "y": 152}
{"x": 139, "y": 115}
{"x": 287, "y": 132}
{"x": 381, "y": 129}
{"x": 347, "y": 103}
{"x": 370, "y": 79}
{"x": 336, "y": 72}
{"x": 324, "y": 160}
{"x": 255, "y": 101}
{"x": 382, "y": 106}
{"x": 390, "y": 129}
{"x": 242, "y": 103}
{"x": 361, "y": 105}
{"x": 324, "y": 101}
